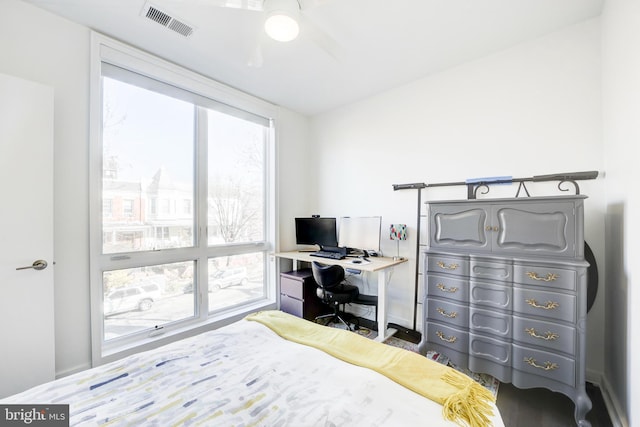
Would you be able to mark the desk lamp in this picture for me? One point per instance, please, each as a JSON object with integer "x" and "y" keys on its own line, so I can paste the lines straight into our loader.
{"x": 398, "y": 232}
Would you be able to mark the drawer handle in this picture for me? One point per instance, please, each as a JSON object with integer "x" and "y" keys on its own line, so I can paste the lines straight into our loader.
{"x": 550, "y": 305}
{"x": 548, "y": 366}
{"x": 443, "y": 288}
{"x": 450, "y": 339}
{"x": 550, "y": 277}
{"x": 549, "y": 336}
{"x": 450, "y": 315}
{"x": 447, "y": 267}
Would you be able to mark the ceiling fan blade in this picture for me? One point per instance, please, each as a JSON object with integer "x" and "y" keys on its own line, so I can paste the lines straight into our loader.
{"x": 240, "y": 4}
{"x": 256, "y": 59}
{"x": 321, "y": 38}
{"x": 256, "y": 5}
{"x": 308, "y": 4}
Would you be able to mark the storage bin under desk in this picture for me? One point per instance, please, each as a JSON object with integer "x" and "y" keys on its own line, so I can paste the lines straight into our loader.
{"x": 298, "y": 295}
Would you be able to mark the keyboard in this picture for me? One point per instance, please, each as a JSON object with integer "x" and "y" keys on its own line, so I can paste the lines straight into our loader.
{"x": 326, "y": 254}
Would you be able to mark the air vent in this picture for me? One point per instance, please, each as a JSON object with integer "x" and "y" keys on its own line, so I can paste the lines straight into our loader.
{"x": 166, "y": 20}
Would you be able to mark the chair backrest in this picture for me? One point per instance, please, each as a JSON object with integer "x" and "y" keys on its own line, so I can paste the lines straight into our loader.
{"x": 327, "y": 276}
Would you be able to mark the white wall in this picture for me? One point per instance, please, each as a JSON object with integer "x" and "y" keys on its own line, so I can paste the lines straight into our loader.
{"x": 38, "y": 46}
{"x": 621, "y": 102}
{"x": 294, "y": 162}
{"x": 42, "y": 47}
{"x": 530, "y": 110}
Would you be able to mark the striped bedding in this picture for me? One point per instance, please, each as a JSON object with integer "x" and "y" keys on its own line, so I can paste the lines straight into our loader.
{"x": 243, "y": 375}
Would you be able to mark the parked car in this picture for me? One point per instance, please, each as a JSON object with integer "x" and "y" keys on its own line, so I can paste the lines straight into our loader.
{"x": 228, "y": 277}
{"x": 222, "y": 279}
{"x": 131, "y": 298}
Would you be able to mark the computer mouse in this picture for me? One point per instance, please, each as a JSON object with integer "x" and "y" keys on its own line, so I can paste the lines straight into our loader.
{"x": 356, "y": 261}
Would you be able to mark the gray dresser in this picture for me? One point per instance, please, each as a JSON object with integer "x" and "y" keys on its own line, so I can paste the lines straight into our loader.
{"x": 505, "y": 288}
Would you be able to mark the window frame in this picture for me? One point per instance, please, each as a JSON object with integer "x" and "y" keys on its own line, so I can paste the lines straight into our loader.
{"x": 104, "y": 49}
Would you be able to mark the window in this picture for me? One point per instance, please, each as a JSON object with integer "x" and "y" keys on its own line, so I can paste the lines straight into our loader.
{"x": 184, "y": 226}
{"x": 107, "y": 207}
{"x": 127, "y": 207}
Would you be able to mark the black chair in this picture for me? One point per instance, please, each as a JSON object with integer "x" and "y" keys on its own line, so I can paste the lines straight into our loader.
{"x": 370, "y": 300}
{"x": 333, "y": 291}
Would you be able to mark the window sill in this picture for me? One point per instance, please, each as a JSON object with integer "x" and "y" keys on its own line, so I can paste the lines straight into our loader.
{"x": 116, "y": 352}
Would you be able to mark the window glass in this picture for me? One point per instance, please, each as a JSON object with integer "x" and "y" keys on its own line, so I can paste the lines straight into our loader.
{"x": 147, "y": 297}
{"x": 148, "y": 155}
{"x": 235, "y": 279}
{"x": 236, "y": 179}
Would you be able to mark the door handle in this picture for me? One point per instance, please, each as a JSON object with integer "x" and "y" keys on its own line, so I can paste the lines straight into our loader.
{"x": 39, "y": 264}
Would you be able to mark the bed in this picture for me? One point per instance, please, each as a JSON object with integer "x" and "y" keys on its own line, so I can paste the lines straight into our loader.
{"x": 269, "y": 369}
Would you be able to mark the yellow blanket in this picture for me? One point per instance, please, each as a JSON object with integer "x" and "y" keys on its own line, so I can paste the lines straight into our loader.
{"x": 464, "y": 401}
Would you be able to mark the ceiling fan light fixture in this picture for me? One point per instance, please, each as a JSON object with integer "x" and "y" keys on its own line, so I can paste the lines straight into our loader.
{"x": 281, "y": 27}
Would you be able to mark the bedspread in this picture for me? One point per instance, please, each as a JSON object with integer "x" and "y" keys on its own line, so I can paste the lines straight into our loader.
{"x": 243, "y": 374}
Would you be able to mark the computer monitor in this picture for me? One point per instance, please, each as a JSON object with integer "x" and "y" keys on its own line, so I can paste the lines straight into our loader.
{"x": 316, "y": 231}
{"x": 360, "y": 233}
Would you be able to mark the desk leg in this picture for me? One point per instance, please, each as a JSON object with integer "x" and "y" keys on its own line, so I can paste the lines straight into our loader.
{"x": 383, "y": 332}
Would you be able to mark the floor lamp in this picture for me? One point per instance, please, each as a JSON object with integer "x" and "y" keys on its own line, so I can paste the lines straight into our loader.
{"x": 407, "y": 334}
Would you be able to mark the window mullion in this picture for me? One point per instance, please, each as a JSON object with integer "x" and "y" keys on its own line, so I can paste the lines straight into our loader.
{"x": 201, "y": 188}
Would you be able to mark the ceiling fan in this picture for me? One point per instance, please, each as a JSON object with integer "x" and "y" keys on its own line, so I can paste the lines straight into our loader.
{"x": 284, "y": 21}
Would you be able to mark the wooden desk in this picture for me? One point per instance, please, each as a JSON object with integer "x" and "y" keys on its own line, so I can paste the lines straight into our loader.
{"x": 381, "y": 265}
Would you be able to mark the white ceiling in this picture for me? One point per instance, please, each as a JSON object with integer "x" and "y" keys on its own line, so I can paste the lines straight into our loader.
{"x": 381, "y": 44}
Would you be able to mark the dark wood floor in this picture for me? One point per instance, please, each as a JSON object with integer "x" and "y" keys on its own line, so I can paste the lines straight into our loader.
{"x": 544, "y": 408}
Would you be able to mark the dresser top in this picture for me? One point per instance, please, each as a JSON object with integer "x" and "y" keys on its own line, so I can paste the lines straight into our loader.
{"x": 559, "y": 198}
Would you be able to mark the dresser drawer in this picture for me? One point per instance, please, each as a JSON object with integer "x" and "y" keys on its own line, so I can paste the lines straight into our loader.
{"x": 489, "y": 348}
{"x": 453, "y": 288}
{"x": 298, "y": 283}
{"x": 490, "y": 356}
{"x": 545, "y": 334}
{"x": 540, "y": 275}
{"x": 546, "y": 364}
{"x": 490, "y": 295}
{"x": 291, "y": 305}
{"x": 437, "y": 263}
{"x": 547, "y": 304}
{"x": 490, "y": 321}
{"x": 291, "y": 287}
{"x": 448, "y": 337}
{"x": 448, "y": 312}
{"x": 487, "y": 270}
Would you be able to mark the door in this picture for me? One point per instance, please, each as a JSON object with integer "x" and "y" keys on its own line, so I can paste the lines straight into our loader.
{"x": 27, "y": 352}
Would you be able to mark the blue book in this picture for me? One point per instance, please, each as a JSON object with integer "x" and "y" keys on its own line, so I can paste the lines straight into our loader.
{"x": 490, "y": 179}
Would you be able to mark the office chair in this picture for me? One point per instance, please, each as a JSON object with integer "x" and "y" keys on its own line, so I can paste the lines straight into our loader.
{"x": 370, "y": 300}
{"x": 332, "y": 290}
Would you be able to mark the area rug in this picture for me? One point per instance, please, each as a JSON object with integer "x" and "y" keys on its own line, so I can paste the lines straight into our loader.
{"x": 486, "y": 380}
